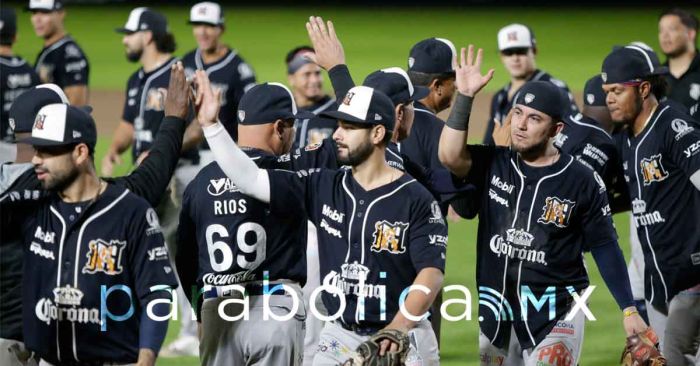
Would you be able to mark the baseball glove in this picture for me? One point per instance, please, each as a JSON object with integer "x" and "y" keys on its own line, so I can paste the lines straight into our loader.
{"x": 367, "y": 353}
{"x": 642, "y": 350}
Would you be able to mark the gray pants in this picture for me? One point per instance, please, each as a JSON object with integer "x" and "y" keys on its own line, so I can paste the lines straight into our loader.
{"x": 562, "y": 346}
{"x": 13, "y": 353}
{"x": 338, "y": 344}
{"x": 254, "y": 341}
{"x": 683, "y": 330}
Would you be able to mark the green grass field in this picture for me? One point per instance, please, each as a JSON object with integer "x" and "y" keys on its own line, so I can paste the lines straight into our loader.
{"x": 572, "y": 45}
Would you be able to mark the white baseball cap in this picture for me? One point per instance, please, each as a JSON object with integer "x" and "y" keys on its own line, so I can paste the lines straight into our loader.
{"x": 206, "y": 13}
{"x": 515, "y": 36}
{"x": 45, "y": 5}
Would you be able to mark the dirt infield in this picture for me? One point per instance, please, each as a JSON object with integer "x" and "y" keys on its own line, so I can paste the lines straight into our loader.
{"x": 108, "y": 105}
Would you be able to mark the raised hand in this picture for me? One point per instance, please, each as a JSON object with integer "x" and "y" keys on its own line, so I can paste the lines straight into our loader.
{"x": 327, "y": 47}
{"x": 177, "y": 98}
{"x": 468, "y": 77}
{"x": 208, "y": 100}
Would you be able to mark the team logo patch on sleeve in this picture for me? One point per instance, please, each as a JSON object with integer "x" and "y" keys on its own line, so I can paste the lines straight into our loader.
{"x": 389, "y": 237}
{"x": 104, "y": 257}
{"x": 437, "y": 214}
{"x": 556, "y": 211}
{"x": 653, "y": 170}
{"x": 681, "y": 128}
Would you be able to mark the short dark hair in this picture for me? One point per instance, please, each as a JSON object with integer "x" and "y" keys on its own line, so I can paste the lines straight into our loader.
{"x": 165, "y": 42}
{"x": 295, "y": 51}
{"x": 7, "y": 40}
{"x": 687, "y": 18}
{"x": 424, "y": 79}
{"x": 659, "y": 85}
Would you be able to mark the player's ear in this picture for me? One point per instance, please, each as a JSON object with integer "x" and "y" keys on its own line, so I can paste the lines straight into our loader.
{"x": 81, "y": 153}
{"x": 557, "y": 127}
{"x": 400, "y": 114}
{"x": 645, "y": 89}
{"x": 279, "y": 128}
{"x": 435, "y": 85}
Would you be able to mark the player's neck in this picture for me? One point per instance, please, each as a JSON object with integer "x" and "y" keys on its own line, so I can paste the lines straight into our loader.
{"x": 374, "y": 172}
{"x": 546, "y": 157}
{"x": 85, "y": 187}
{"x": 60, "y": 33}
{"x": 6, "y": 51}
{"x": 679, "y": 65}
{"x": 648, "y": 109}
{"x": 254, "y": 137}
{"x": 151, "y": 59}
{"x": 303, "y": 101}
{"x": 211, "y": 56}
{"x": 429, "y": 103}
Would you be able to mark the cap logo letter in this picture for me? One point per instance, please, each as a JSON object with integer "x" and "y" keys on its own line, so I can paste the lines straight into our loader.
{"x": 39, "y": 121}
{"x": 529, "y": 97}
{"x": 590, "y": 98}
{"x": 348, "y": 98}
{"x": 202, "y": 10}
{"x": 604, "y": 76}
{"x": 411, "y": 61}
{"x": 513, "y": 36}
{"x": 241, "y": 115}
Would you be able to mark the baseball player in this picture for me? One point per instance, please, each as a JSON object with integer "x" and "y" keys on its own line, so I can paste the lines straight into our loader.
{"x": 381, "y": 218}
{"x": 678, "y": 34}
{"x": 659, "y": 151}
{"x": 238, "y": 242}
{"x": 429, "y": 65}
{"x": 306, "y": 82}
{"x": 16, "y": 77}
{"x": 534, "y": 201}
{"x": 149, "y": 180}
{"x": 61, "y": 61}
{"x": 518, "y": 48}
{"x": 226, "y": 68}
{"x": 148, "y": 42}
{"x": 83, "y": 242}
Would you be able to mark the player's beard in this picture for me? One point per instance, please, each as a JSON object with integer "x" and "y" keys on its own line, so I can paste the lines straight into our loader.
{"x": 134, "y": 56}
{"x": 358, "y": 155}
{"x": 533, "y": 150}
{"x": 58, "y": 181}
{"x": 677, "y": 52}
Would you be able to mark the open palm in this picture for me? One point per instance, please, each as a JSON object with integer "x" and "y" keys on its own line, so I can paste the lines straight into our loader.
{"x": 468, "y": 77}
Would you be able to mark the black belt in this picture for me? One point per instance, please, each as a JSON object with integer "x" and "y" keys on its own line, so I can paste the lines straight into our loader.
{"x": 364, "y": 329}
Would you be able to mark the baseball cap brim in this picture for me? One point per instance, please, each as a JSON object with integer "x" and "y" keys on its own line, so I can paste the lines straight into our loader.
{"x": 346, "y": 117}
{"x": 36, "y": 141}
{"x": 201, "y": 22}
{"x": 123, "y": 30}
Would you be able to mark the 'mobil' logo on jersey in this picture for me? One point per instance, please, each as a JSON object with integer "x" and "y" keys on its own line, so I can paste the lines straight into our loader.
{"x": 104, "y": 257}
{"x": 653, "y": 170}
{"x": 556, "y": 211}
{"x": 389, "y": 237}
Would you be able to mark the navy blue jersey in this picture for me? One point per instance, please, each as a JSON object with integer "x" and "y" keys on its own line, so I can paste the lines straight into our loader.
{"x": 686, "y": 88}
{"x": 591, "y": 145}
{"x": 657, "y": 164}
{"x": 421, "y": 146}
{"x": 372, "y": 244}
{"x": 501, "y": 105}
{"x": 232, "y": 75}
{"x": 314, "y": 130}
{"x": 72, "y": 251}
{"x": 63, "y": 63}
{"x": 144, "y": 107}
{"x": 534, "y": 225}
{"x": 234, "y": 237}
{"x": 16, "y": 77}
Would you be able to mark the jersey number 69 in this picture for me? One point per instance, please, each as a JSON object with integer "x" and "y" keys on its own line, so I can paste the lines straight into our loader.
{"x": 257, "y": 247}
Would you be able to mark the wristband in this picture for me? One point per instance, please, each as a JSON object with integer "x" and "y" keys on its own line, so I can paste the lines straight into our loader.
{"x": 629, "y": 313}
{"x": 459, "y": 116}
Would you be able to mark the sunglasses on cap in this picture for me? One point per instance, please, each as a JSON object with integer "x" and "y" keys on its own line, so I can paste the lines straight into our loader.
{"x": 515, "y": 51}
